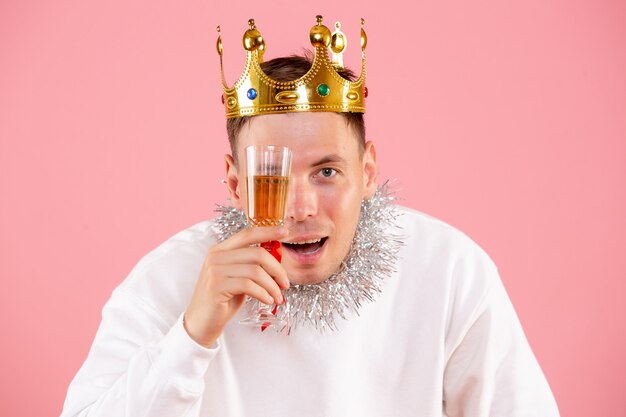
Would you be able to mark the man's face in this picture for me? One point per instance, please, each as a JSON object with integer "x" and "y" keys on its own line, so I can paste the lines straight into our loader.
{"x": 329, "y": 179}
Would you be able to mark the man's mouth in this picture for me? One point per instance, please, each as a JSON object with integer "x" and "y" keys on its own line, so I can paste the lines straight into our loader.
{"x": 306, "y": 247}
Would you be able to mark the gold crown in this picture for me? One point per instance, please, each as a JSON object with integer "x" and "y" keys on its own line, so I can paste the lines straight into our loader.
{"x": 320, "y": 89}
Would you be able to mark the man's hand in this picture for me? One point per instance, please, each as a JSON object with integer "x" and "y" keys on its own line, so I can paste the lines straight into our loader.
{"x": 232, "y": 270}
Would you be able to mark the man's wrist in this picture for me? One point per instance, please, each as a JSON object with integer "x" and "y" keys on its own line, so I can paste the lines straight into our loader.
{"x": 206, "y": 342}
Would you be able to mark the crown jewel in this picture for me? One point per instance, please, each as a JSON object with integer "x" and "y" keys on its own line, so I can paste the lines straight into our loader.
{"x": 320, "y": 89}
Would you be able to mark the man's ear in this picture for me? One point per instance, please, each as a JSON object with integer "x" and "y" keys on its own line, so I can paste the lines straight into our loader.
{"x": 370, "y": 170}
{"x": 232, "y": 182}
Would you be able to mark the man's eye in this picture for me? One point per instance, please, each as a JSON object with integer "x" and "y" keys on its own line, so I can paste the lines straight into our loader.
{"x": 327, "y": 172}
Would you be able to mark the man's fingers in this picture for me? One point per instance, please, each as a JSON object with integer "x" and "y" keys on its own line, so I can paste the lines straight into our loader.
{"x": 238, "y": 286}
{"x": 253, "y": 235}
{"x": 253, "y": 273}
{"x": 252, "y": 256}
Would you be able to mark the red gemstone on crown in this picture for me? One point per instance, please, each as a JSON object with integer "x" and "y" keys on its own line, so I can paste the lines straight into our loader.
{"x": 366, "y": 92}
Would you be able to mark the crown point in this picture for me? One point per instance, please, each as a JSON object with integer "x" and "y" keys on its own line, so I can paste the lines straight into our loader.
{"x": 252, "y": 39}
{"x": 337, "y": 44}
{"x": 362, "y": 22}
{"x": 319, "y": 19}
{"x": 320, "y": 36}
{"x": 219, "y": 40}
{"x": 363, "y": 39}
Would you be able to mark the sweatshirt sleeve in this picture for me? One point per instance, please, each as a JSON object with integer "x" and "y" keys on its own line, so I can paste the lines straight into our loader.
{"x": 492, "y": 370}
{"x": 139, "y": 366}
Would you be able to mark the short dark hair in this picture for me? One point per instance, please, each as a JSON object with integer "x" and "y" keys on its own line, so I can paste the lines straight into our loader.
{"x": 288, "y": 69}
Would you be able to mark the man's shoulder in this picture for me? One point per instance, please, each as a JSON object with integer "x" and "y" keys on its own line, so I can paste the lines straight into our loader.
{"x": 165, "y": 276}
{"x": 444, "y": 263}
{"x": 433, "y": 235}
{"x": 197, "y": 238}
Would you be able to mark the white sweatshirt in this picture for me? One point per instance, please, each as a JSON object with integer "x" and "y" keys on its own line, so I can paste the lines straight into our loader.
{"x": 442, "y": 339}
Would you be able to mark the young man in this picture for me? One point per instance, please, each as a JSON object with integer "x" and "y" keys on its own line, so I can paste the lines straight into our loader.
{"x": 377, "y": 329}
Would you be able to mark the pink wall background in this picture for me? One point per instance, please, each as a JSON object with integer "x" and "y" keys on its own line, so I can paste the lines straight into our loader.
{"x": 506, "y": 120}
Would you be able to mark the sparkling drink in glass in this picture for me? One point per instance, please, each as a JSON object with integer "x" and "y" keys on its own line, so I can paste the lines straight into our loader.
{"x": 267, "y": 181}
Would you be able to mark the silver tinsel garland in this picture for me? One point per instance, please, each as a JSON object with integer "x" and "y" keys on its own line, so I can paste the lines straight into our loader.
{"x": 371, "y": 259}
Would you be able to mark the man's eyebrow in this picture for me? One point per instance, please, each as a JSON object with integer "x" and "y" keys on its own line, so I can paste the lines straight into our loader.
{"x": 332, "y": 158}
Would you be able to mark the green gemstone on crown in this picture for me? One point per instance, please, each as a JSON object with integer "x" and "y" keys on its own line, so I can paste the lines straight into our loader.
{"x": 323, "y": 90}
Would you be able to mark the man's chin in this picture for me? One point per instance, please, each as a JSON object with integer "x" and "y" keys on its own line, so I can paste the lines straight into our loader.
{"x": 305, "y": 279}
{"x": 306, "y": 276}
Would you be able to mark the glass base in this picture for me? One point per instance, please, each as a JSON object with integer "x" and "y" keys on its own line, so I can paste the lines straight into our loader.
{"x": 263, "y": 316}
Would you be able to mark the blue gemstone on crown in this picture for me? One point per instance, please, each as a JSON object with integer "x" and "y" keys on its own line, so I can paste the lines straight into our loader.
{"x": 252, "y": 94}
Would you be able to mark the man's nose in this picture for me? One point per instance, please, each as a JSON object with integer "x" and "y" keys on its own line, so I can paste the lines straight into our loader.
{"x": 301, "y": 201}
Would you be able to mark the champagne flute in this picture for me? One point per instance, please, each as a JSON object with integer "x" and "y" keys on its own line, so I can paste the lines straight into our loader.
{"x": 267, "y": 181}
